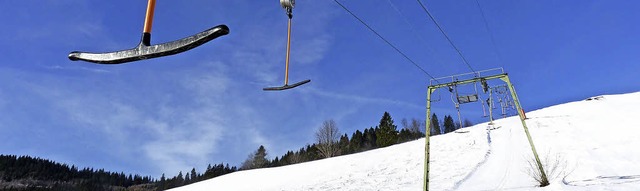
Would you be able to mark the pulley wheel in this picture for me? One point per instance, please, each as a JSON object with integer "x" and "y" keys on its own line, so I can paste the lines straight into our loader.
{"x": 288, "y": 3}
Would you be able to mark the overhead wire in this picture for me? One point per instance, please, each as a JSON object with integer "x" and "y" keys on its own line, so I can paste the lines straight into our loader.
{"x": 446, "y": 36}
{"x": 385, "y": 40}
{"x": 501, "y": 62}
{"x": 493, "y": 41}
{"x": 429, "y": 49}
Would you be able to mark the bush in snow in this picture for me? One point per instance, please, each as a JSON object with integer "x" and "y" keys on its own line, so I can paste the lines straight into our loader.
{"x": 554, "y": 166}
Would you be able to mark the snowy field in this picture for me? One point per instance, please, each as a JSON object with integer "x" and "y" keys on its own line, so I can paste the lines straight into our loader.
{"x": 593, "y": 143}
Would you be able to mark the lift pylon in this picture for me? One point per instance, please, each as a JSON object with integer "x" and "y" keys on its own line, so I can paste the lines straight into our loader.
{"x": 477, "y": 77}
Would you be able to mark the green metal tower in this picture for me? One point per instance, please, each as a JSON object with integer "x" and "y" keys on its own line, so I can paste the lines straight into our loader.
{"x": 477, "y": 78}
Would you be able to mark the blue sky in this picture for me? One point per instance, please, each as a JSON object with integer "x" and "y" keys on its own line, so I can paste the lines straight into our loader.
{"x": 207, "y": 105}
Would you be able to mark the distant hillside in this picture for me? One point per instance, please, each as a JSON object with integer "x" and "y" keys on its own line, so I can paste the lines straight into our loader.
{"x": 29, "y": 173}
{"x": 584, "y": 145}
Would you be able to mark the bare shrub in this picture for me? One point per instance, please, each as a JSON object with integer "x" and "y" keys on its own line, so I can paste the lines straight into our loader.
{"x": 327, "y": 138}
{"x": 295, "y": 158}
{"x": 554, "y": 166}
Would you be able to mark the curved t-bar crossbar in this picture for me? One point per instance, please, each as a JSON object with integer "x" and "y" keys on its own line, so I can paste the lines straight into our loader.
{"x": 286, "y": 87}
{"x": 143, "y": 51}
{"x": 146, "y": 51}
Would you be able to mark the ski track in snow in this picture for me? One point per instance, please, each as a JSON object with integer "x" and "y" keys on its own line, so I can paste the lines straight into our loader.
{"x": 597, "y": 139}
{"x": 475, "y": 169}
{"x": 398, "y": 167}
{"x": 498, "y": 172}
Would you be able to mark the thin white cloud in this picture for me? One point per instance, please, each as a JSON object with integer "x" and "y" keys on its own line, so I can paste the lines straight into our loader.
{"x": 82, "y": 23}
{"x": 186, "y": 137}
{"x": 311, "y": 51}
{"x": 261, "y": 53}
{"x": 257, "y": 138}
{"x": 172, "y": 136}
{"x": 176, "y": 119}
{"x": 88, "y": 29}
{"x": 361, "y": 99}
{"x": 94, "y": 70}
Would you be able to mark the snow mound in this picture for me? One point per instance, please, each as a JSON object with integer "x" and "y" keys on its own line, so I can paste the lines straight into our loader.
{"x": 595, "y": 141}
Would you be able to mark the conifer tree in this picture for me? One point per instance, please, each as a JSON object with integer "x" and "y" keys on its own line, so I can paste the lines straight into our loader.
{"x": 194, "y": 175}
{"x": 179, "y": 179}
{"x": 163, "y": 183}
{"x": 369, "y": 141}
{"x": 435, "y": 125}
{"x": 311, "y": 153}
{"x": 404, "y": 135}
{"x": 187, "y": 179}
{"x": 449, "y": 124}
{"x": 297, "y": 157}
{"x": 343, "y": 144}
{"x": 356, "y": 141}
{"x": 260, "y": 159}
{"x": 387, "y": 133}
{"x": 257, "y": 159}
{"x": 287, "y": 158}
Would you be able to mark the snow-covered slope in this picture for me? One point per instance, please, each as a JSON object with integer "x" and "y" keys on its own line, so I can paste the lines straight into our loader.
{"x": 595, "y": 142}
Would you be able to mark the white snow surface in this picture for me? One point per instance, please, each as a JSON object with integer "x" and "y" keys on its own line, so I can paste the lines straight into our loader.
{"x": 595, "y": 143}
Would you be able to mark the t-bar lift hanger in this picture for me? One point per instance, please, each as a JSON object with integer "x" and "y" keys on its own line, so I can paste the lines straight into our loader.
{"x": 288, "y": 6}
{"x": 145, "y": 50}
